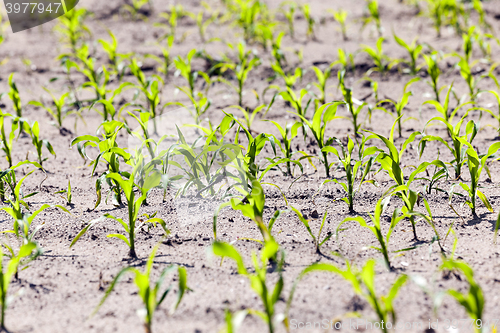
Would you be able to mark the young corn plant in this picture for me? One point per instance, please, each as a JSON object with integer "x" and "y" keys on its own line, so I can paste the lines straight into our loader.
{"x": 468, "y": 76}
{"x": 176, "y": 12}
{"x": 73, "y": 29}
{"x": 323, "y": 115}
{"x": 164, "y": 60}
{"x": 444, "y": 109}
{"x": 322, "y": 78}
{"x": 363, "y": 284}
{"x": 151, "y": 292}
{"x": 289, "y": 13}
{"x": 200, "y": 101}
{"x": 59, "y": 111}
{"x": 67, "y": 191}
{"x": 400, "y": 105}
{"x": 7, "y": 272}
{"x": 414, "y": 51}
{"x": 297, "y": 100}
{"x": 14, "y": 96}
{"x": 277, "y": 51}
{"x": 18, "y": 210}
{"x": 135, "y": 9}
{"x": 116, "y": 60}
{"x": 290, "y": 78}
{"x": 203, "y": 23}
{"x": 288, "y": 133}
{"x": 7, "y": 139}
{"x": 438, "y": 174}
{"x": 268, "y": 295}
{"x": 252, "y": 206}
{"x": 373, "y": 16}
{"x": 316, "y": 239}
{"x": 346, "y": 60}
{"x": 351, "y": 167}
{"x": 311, "y": 22}
{"x": 34, "y": 131}
{"x": 391, "y": 163}
{"x": 457, "y": 147}
{"x": 133, "y": 204}
{"x": 341, "y": 16}
{"x": 109, "y": 152}
{"x": 476, "y": 164}
{"x": 381, "y": 61}
{"x": 376, "y": 229}
{"x": 472, "y": 301}
{"x": 349, "y": 102}
{"x": 247, "y": 61}
{"x": 432, "y": 62}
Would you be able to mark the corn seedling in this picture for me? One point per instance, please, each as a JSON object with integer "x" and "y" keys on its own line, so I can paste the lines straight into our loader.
{"x": 432, "y": 62}
{"x": 321, "y": 118}
{"x": 400, "y": 105}
{"x": 151, "y": 292}
{"x": 23, "y": 218}
{"x": 277, "y": 50}
{"x": 349, "y": 100}
{"x": 468, "y": 76}
{"x": 297, "y": 100}
{"x": 476, "y": 164}
{"x": 363, "y": 284}
{"x": 316, "y": 239}
{"x": 247, "y": 61}
{"x": 391, "y": 163}
{"x": 59, "y": 111}
{"x": 199, "y": 100}
{"x": 133, "y": 204}
{"x": 7, "y": 271}
{"x": 203, "y": 23}
{"x": 445, "y": 110}
{"x": 438, "y": 174}
{"x": 321, "y": 84}
{"x": 176, "y": 12}
{"x": 341, "y": 16}
{"x": 8, "y": 138}
{"x": 346, "y": 60}
{"x": 289, "y": 13}
{"x": 249, "y": 13}
{"x": 164, "y": 60}
{"x": 373, "y": 16}
{"x": 351, "y": 167}
{"x": 381, "y": 61}
{"x": 472, "y": 301}
{"x": 414, "y": 51}
{"x": 69, "y": 195}
{"x": 258, "y": 279}
{"x": 252, "y": 206}
{"x": 34, "y": 131}
{"x": 458, "y": 148}
{"x": 311, "y": 22}
{"x": 109, "y": 152}
{"x": 289, "y": 132}
{"x": 376, "y": 230}
{"x": 289, "y": 78}
{"x": 136, "y": 7}
{"x": 152, "y": 92}
{"x": 14, "y": 96}
{"x": 115, "y": 59}
{"x": 73, "y": 28}
{"x": 233, "y": 321}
